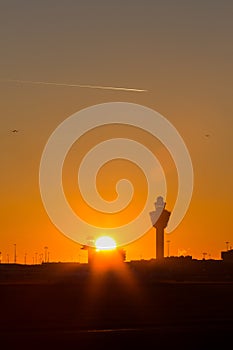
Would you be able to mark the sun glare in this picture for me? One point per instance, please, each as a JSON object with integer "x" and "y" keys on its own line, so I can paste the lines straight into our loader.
{"x": 105, "y": 243}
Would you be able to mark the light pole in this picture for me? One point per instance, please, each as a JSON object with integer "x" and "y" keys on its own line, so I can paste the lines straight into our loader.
{"x": 15, "y": 253}
{"x": 204, "y": 255}
{"x": 168, "y": 248}
{"x": 41, "y": 258}
{"x": 227, "y": 244}
{"x": 45, "y": 254}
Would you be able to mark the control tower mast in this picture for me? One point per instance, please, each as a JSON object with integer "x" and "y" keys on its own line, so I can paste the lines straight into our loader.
{"x": 159, "y": 219}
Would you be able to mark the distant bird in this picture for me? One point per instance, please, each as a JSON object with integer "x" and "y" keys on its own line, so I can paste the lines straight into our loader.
{"x": 207, "y": 135}
{"x": 15, "y": 130}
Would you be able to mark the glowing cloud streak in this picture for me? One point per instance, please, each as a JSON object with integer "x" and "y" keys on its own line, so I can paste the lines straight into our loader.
{"x": 74, "y": 85}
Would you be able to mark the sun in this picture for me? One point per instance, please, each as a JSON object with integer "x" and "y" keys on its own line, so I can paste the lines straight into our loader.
{"x": 105, "y": 243}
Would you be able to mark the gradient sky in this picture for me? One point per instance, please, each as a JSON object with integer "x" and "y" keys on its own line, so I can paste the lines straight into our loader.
{"x": 180, "y": 51}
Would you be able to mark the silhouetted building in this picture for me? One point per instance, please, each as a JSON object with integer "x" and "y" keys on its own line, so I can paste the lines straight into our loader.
{"x": 227, "y": 255}
{"x": 105, "y": 256}
{"x": 159, "y": 219}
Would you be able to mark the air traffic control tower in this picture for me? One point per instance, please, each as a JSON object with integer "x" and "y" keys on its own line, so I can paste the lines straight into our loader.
{"x": 159, "y": 219}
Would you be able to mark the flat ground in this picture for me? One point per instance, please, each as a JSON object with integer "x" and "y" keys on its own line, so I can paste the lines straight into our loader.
{"x": 107, "y": 312}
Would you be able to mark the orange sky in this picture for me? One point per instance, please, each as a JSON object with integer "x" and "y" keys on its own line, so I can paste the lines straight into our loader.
{"x": 180, "y": 52}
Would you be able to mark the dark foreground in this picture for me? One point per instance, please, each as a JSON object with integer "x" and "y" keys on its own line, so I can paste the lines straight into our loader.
{"x": 115, "y": 311}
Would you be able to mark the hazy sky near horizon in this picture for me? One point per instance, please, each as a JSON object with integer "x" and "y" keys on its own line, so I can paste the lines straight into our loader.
{"x": 181, "y": 52}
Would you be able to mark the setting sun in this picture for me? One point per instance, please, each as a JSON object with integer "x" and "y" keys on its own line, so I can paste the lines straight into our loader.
{"x": 105, "y": 243}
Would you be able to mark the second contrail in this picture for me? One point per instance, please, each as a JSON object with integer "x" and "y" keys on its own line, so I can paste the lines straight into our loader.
{"x": 75, "y": 85}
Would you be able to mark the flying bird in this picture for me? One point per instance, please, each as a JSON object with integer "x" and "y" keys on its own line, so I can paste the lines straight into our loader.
{"x": 15, "y": 130}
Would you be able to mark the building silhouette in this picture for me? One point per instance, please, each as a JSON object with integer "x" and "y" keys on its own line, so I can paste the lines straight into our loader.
{"x": 104, "y": 256}
{"x": 227, "y": 255}
{"x": 159, "y": 219}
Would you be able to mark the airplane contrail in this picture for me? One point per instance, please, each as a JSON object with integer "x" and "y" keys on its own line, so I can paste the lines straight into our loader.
{"x": 75, "y": 85}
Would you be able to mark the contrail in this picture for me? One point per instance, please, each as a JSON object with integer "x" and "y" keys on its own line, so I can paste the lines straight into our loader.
{"x": 75, "y": 85}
